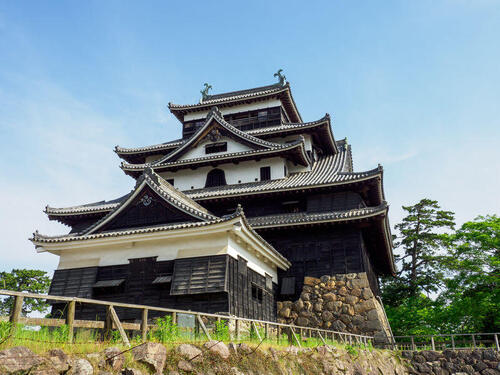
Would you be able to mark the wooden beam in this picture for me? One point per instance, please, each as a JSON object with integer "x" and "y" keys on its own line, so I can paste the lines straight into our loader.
{"x": 116, "y": 321}
{"x": 256, "y": 331}
{"x": 295, "y": 337}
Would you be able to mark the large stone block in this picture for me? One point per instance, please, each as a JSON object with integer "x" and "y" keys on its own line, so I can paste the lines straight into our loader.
{"x": 311, "y": 281}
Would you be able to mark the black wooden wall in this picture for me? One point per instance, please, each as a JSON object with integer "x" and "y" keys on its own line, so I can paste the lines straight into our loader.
{"x": 205, "y": 284}
{"x": 316, "y": 252}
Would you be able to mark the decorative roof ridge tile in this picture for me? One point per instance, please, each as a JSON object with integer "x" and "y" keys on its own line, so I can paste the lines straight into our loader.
{"x": 266, "y": 90}
{"x": 278, "y": 148}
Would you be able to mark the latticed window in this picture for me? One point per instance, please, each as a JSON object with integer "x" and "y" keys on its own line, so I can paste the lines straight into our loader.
{"x": 265, "y": 173}
{"x": 215, "y": 177}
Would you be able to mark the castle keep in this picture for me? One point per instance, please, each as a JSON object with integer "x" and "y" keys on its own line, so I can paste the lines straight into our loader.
{"x": 232, "y": 218}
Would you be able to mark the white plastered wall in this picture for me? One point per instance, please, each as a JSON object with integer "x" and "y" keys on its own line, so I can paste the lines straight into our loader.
{"x": 164, "y": 249}
{"x": 247, "y": 171}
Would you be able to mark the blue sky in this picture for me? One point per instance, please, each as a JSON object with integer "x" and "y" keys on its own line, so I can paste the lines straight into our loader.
{"x": 413, "y": 85}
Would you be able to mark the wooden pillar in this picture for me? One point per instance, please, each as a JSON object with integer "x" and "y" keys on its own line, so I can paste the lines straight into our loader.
{"x": 473, "y": 341}
{"x": 496, "y": 342}
{"x": 144, "y": 325}
{"x": 174, "y": 318}
{"x": 452, "y": 342}
{"x": 266, "y": 331}
{"x": 433, "y": 345}
{"x": 413, "y": 343}
{"x": 70, "y": 320}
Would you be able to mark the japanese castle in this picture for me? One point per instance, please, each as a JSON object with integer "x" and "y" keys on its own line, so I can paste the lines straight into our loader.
{"x": 231, "y": 218}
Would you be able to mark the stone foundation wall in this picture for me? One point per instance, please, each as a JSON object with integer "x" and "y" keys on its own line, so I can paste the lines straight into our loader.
{"x": 342, "y": 303}
{"x": 463, "y": 362}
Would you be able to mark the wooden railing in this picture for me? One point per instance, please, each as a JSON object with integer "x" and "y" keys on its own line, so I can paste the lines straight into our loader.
{"x": 456, "y": 341}
{"x": 261, "y": 330}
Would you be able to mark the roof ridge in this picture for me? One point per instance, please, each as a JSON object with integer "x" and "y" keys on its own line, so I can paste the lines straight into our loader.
{"x": 264, "y": 90}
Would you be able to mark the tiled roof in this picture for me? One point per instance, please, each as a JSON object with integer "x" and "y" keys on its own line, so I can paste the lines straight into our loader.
{"x": 96, "y": 207}
{"x": 225, "y": 99}
{"x": 327, "y": 170}
{"x": 231, "y": 96}
{"x": 288, "y": 126}
{"x": 311, "y": 218}
{"x": 163, "y": 189}
{"x": 280, "y": 148}
{"x": 160, "y": 147}
{"x": 40, "y": 238}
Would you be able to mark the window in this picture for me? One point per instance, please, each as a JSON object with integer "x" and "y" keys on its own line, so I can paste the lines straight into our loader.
{"x": 269, "y": 282}
{"x": 288, "y": 285}
{"x": 215, "y": 147}
{"x": 215, "y": 177}
{"x": 170, "y": 181}
{"x": 265, "y": 173}
{"x": 257, "y": 293}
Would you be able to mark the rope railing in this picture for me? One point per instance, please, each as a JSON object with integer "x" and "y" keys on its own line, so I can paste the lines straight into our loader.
{"x": 205, "y": 324}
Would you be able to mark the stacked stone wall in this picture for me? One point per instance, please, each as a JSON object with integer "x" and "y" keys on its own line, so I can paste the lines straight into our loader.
{"x": 460, "y": 362}
{"x": 343, "y": 303}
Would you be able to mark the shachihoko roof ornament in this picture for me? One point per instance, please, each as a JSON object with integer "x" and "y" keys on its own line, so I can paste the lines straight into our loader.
{"x": 281, "y": 77}
{"x": 204, "y": 92}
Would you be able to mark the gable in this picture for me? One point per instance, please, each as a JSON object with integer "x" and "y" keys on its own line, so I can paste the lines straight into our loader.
{"x": 213, "y": 130}
{"x": 147, "y": 209}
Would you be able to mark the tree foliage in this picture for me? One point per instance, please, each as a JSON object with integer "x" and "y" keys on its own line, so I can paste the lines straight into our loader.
{"x": 22, "y": 280}
{"x": 448, "y": 282}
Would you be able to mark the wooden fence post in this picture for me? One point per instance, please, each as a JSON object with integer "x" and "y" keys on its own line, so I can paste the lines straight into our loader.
{"x": 70, "y": 320}
{"x": 473, "y": 341}
{"x": 174, "y": 318}
{"x": 144, "y": 325}
{"x": 432, "y": 343}
{"x": 266, "y": 331}
{"x": 17, "y": 307}
{"x": 452, "y": 342}
{"x": 108, "y": 323}
{"x": 15, "y": 314}
{"x": 413, "y": 344}
{"x": 237, "y": 329}
{"x": 496, "y": 342}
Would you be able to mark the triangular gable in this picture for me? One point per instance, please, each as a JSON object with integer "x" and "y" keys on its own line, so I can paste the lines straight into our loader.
{"x": 153, "y": 201}
{"x": 215, "y": 126}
